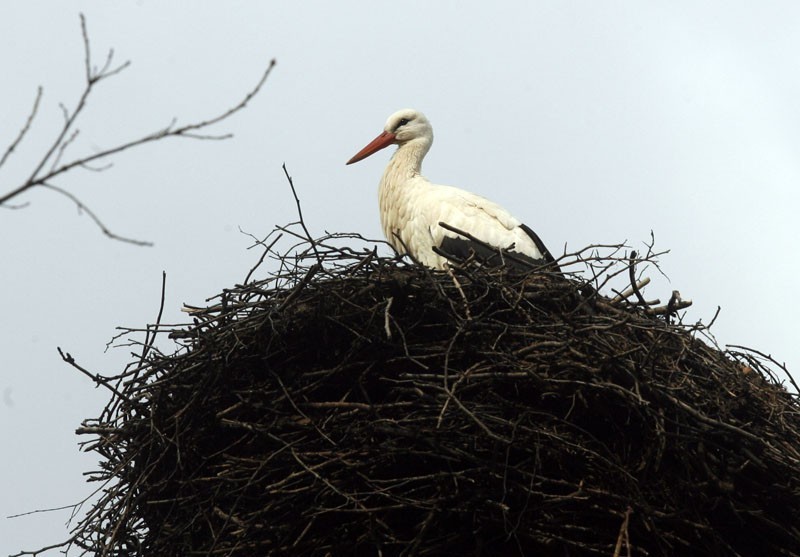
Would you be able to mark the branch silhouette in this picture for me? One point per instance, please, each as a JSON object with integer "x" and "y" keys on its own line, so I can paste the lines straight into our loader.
{"x": 53, "y": 163}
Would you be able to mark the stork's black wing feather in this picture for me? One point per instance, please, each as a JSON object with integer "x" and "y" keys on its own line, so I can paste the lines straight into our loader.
{"x": 548, "y": 257}
{"x": 462, "y": 245}
{"x": 459, "y": 249}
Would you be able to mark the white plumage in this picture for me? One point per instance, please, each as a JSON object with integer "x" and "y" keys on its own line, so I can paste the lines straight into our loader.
{"x": 412, "y": 207}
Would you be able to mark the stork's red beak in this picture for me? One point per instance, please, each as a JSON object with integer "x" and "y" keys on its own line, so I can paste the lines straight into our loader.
{"x": 383, "y": 140}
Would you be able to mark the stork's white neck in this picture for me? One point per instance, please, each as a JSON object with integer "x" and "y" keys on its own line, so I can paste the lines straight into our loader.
{"x": 407, "y": 160}
{"x": 400, "y": 179}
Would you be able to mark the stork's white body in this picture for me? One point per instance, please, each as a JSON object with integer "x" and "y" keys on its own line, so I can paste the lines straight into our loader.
{"x": 412, "y": 207}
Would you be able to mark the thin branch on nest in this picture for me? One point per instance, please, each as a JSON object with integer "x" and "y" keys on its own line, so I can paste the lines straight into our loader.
{"x": 623, "y": 539}
{"x": 300, "y": 214}
{"x": 67, "y": 357}
{"x": 45, "y": 549}
{"x": 152, "y": 331}
{"x": 632, "y": 275}
{"x": 50, "y": 166}
{"x": 766, "y": 357}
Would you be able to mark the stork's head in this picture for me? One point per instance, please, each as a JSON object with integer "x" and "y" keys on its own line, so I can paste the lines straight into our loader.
{"x": 403, "y": 127}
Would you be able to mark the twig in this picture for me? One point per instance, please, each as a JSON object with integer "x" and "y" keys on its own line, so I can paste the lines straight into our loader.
{"x": 623, "y": 538}
{"x": 665, "y": 309}
{"x": 713, "y": 319}
{"x": 83, "y": 208}
{"x": 628, "y": 292}
{"x": 67, "y": 357}
{"x": 769, "y": 358}
{"x": 150, "y": 336}
{"x": 267, "y": 249}
{"x": 42, "y": 550}
{"x": 15, "y": 207}
{"x": 24, "y": 129}
{"x": 299, "y": 287}
{"x": 714, "y": 422}
{"x": 632, "y": 277}
{"x": 300, "y": 215}
{"x": 387, "y": 318}
{"x": 467, "y": 312}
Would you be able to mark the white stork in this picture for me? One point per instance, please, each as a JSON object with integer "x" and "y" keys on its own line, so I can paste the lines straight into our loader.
{"x": 412, "y": 207}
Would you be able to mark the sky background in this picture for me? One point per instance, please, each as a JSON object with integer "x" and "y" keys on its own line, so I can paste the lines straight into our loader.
{"x": 594, "y": 122}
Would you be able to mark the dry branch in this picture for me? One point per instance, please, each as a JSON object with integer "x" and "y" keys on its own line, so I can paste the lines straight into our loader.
{"x": 50, "y": 166}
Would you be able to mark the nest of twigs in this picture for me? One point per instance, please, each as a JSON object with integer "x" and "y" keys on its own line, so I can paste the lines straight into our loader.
{"x": 359, "y": 405}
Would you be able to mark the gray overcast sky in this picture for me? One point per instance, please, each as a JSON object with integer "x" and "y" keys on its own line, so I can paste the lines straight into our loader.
{"x": 593, "y": 121}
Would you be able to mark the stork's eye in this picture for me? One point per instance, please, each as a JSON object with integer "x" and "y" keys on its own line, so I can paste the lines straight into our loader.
{"x": 402, "y": 123}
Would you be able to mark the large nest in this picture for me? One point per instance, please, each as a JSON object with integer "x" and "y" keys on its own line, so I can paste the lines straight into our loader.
{"x": 358, "y": 405}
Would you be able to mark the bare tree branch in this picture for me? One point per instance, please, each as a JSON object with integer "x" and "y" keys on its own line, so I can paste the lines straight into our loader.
{"x": 83, "y": 208}
{"x": 14, "y": 207}
{"x": 52, "y": 159}
{"x": 25, "y": 128}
